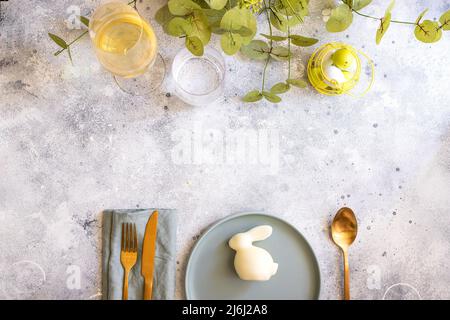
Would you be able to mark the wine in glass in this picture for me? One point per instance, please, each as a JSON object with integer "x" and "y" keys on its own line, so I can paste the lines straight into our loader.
{"x": 126, "y": 45}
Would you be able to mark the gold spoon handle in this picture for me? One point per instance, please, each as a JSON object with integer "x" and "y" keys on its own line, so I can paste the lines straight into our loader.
{"x": 346, "y": 277}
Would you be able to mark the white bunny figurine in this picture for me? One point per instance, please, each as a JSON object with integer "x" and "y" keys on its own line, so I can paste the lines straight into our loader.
{"x": 250, "y": 262}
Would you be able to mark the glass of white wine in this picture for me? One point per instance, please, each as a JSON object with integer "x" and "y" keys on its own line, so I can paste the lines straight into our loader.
{"x": 126, "y": 45}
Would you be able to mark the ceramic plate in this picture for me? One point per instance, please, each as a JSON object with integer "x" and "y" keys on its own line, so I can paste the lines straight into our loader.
{"x": 210, "y": 271}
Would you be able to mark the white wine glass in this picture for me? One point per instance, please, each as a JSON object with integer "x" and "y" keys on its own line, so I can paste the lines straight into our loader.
{"x": 126, "y": 45}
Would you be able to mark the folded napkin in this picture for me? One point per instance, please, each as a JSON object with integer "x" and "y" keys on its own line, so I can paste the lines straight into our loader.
{"x": 165, "y": 266}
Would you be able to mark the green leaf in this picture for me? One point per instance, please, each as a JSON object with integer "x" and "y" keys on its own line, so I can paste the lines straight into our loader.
{"x": 60, "y": 42}
{"x": 231, "y": 43}
{"x": 428, "y": 31}
{"x": 194, "y": 45}
{"x": 199, "y": 26}
{"x": 341, "y": 18}
{"x": 359, "y": 4}
{"x": 178, "y": 26}
{"x": 297, "y": 83}
{"x": 182, "y": 7}
{"x": 252, "y": 96}
{"x": 421, "y": 15}
{"x": 280, "y": 53}
{"x": 384, "y": 25}
{"x": 348, "y": 2}
{"x": 216, "y": 4}
{"x": 214, "y": 16}
{"x": 232, "y": 20}
{"x": 445, "y": 20}
{"x": 296, "y": 8}
{"x": 280, "y": 87}
{"x": 84, "y": 21}
{"x": 271, "y": 97}
{"x": 256, "y": 49}
{"x": 274, "y": 38}
{"x": 249, "y": 23}
{"x": 163, "y": 15}
{"x": 302, "y": 41}
{"x": 391, "y": 6}
{"x": 244, "y": 32}
{"x": 280, "y": 22}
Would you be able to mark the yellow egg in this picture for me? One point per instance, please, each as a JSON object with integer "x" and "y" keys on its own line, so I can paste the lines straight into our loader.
{"x": 343, "y": 59}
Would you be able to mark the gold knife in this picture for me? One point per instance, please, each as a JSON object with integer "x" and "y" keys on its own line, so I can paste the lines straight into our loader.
{"x": 148, "y": 254}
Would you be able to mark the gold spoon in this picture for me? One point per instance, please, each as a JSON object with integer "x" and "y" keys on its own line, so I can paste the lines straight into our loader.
{"x": 343, "y": 231}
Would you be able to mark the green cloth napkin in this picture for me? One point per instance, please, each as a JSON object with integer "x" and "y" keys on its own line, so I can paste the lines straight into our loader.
{"x": 165, "y": 266}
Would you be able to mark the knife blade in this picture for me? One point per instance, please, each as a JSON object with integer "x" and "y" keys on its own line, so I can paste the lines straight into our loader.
{"x": 148, "y": 254}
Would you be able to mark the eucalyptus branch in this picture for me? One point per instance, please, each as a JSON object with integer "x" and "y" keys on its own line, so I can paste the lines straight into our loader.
{"x": 427, "y": 31}
{"x": 270, "y": 48}
{"x": 376, "y": 18}
{"x": 289, "y": 46}
{"x": 71, "y": 43}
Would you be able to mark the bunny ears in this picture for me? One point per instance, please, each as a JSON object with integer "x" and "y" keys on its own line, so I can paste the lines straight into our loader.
{"x": 245, "y": 239}
{"x": 260, "y": 233}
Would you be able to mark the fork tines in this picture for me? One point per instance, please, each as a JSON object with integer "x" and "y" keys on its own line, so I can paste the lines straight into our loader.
{"x": 129, "y": 237}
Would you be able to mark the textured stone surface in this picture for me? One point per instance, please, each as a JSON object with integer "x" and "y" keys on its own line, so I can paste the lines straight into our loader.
{"x": 72, "y": 144}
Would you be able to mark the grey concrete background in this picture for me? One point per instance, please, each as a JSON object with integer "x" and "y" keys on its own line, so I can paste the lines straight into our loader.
{"x": 72, "y": 144}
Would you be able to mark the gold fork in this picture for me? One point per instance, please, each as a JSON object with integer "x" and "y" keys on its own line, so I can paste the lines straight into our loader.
{"x": 128, "y": 253}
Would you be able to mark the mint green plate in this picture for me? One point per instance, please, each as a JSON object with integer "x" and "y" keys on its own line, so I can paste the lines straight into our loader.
{"x": 210, "y": 271}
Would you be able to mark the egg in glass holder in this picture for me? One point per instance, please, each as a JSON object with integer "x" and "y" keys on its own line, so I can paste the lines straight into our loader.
{"x": 335, "y": 69}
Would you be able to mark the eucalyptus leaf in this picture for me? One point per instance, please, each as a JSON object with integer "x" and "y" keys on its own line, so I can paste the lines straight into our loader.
{"x": 249, "y": 23}
{"x": 297, "y": 83}
{"x": 244, "y": 32}
{"x": 384, "y": 24}
{"x": 348, "y": 2}
{"x": 218, "y": 30}
{"x": 194, "y": 45}
{"x": 256, "y": 49}
{"x": 445, "y": 20}
{"x": 280, "y": 22}
{"x": 231, "y": 43}
{"x": 60, "y": 42}
{"x": 178, "y": 26}
{"x": 280, "y": 87}
{"x": 182, "y": 7}
{"x": 84, "y": 21}
{"x": 428, "y": 31}
{"x": 216, "y": 4}
{"x": 232, "y": 20}
{"x": 214, "y": 16}
{"x": 163, "y": 15}
{"x": 359, "y": 4}
{"x": 302, "y": 41}
{"x": 296, "y": 8}
{"x": 280, "y": 53}
{"x": 271, "y": 97}
{"x": 341, "y": 18}
{"x": 252, "y": 96}
{"x": 391, "y": 6}
{"x": 199, "y": 26}
{"x": 274, "y": 38}
{"x": 421, "y": 15}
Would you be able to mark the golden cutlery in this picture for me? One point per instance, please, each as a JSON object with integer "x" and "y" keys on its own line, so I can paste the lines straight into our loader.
{"x": 343, "y": 231}
{"x": 128, "y": 253}
{"x": 148, "y": 254}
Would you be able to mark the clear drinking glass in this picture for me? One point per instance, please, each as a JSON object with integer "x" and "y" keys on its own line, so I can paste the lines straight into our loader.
{"x": 199, "y": 80}
{"x": 126, "y": 45}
